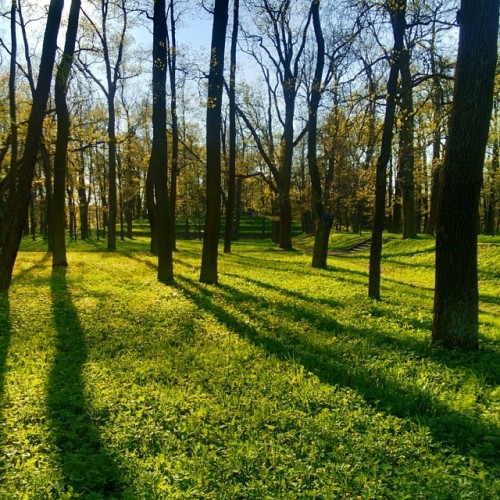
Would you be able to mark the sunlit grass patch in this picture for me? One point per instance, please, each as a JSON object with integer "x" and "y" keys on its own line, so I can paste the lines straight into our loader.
{"x": 281, "y": 382}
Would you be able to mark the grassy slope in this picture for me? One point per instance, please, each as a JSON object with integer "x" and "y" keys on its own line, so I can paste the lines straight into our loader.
{"x": 282, "y": 382}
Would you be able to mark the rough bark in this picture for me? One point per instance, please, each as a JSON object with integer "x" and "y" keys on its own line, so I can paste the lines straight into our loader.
{"x": 397, "y": 13}
{"x": 209, "y": 264}
{"x": 456, "y": 290}
{"x": 437, "y": 102}
{"x": 174, "y": 167}
{"x": 322, "y": 221}
{"x": 407, "y": 138}
{"x": 231, "y": 181}
{"x": 26, "y": 171}
{"x": 63, "y": 124}
{"x": 157, "y": 172}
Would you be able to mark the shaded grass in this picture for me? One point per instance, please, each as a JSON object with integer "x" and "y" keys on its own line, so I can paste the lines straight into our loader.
{"x": 5, "y": 334}
{"x": 281, "y": 382}
{"x": 86, "y": 466}
{"x": 325, "y": 351}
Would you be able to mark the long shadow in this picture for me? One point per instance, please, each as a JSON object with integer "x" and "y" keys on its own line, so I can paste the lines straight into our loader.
{"x": 284, "y": 291}
{"x": 89, "y": 469}
{"x": 468, "y": 435}
{"x": 5, "y": 335}
{"x": 37, "y": 265}
{"x": 484, "y": 364}
{"x": 490, "y": 299}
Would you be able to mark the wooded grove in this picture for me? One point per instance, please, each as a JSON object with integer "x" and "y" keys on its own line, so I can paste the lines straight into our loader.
{"x": 331, "y": 114}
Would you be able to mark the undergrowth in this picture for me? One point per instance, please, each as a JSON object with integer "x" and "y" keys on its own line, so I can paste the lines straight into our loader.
{"x": 281, "y": 382}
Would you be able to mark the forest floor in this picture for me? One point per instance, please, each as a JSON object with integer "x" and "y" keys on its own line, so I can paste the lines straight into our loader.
{"x": 281, "y": 382}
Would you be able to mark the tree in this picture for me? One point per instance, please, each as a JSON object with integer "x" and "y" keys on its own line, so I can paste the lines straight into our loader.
{"x": 113, "y": 72}
{"x": 407, "y": 148}
{"x": 63, "y": 124}
{"x": 283, "y": 42}
{"x": 323, "y": 220}
{"x": 208, "y": 273}
{"x": 158, "y": 204}
{"x": 26, "y": 170}
{"x": 397, "y": 10}
{"x": 456, "y": 290}
{"x": 174, "y": 166}
{"x": 231, "y": 182}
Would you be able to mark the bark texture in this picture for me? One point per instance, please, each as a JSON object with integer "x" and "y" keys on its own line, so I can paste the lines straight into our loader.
{"x": 24, "y": 180}
{"x": 209, "y": 262}
{"x": 397, "y": 13}
{"x": 456, "y": 291}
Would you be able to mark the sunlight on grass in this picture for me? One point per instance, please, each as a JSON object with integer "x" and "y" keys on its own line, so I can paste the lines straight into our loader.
{"x": 281, "y": 382}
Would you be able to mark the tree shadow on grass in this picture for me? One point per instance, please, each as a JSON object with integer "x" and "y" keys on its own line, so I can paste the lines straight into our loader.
{"x": 5, "y": 334}
{"x": 468, "y": 435}
{"x": 485, "y": 364}
{"x": 37, "y": 265}
{"x": 289, "y": 293}
{"x": 88, "y": 468}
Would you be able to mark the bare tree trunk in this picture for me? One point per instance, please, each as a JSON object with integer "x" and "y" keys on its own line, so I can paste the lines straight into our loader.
{"x": 209, "y": 272}
{"x": 157, "y": 172}
{"x": 174, "y": 172}
{"x": 231, "y": 182}
{"x": 63, "y": 124}
{"x": 437, "y": 102}
{"x": 397, "y": 13}
{"x": 491, "y": 202}
{"x": 456, "y": 291}
{"x": 323, "y": 221}
{"x": 26, "y": 171}
{"x": 49, "y": 198}
{"x": 407, "y": 138}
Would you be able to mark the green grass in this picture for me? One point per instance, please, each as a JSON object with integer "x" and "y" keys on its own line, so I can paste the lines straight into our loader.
{"x": 251, "y": 227}
{"x": 281, "y": 382}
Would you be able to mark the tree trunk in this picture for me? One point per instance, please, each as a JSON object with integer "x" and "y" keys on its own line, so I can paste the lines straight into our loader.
{"x": 63, "y": 124}
{"x": 437, "y": 102}
{"x": 158, "y": 172}
{"x": 26, "y": 171}
{"x": 129, "y": 212}
{"x": 456, "y": 291}
{"x": 231, "y": 182}
{"x": 396, "y": 222}
{"x": 174, "y": 172}
{"x": 397, "y": 13}
{"x": 491, "y": 202}
{"x": 209, "y": 273}
{"x": 407, "y": 153}
{"x": 323, "y": 221}
{"x": 83, "y": 204}
{"x": 112, "y": 192}
{"x": 49, "y": 198}
{"x": 13, "y": 109}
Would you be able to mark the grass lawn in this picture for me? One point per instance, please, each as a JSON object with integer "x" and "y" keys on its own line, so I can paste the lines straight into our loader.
{"x": 282, "y": 382}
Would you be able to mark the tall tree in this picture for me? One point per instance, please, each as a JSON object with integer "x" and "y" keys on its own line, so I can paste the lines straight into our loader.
{"x": 456, "y": 290}
{"x": 12, "y": 100}
{"x": 282, "y": 38}
{"x": 63, "y": 124}
{"x": 209, "y": 273}
{"x": 113, "y": 70}
{"x": 174, "y": 166}
{"x": 323, "y": 220}
{"x": 397, "y": 11}
{"x": 437, "y": 97}
{"x": 407, "y": 147}
{"x": 231, "y": 181}
{"x": 157, "y": 171}
{"x": 26, "y": 170}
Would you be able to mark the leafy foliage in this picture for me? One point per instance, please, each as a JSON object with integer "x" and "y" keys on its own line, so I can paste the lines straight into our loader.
{"x": 281, "y": 382}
